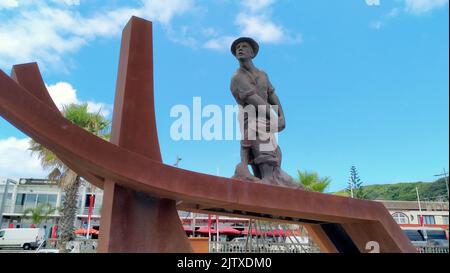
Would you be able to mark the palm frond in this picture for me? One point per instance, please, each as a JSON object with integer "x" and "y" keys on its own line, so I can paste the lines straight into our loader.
{"x": 312, "y": 182}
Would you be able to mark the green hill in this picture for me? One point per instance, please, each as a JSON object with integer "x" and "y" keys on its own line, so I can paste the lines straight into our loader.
{"x": 405, "y": 191}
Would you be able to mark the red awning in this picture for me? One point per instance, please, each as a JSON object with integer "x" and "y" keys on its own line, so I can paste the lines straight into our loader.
{"x": 229, "y": 230}
{"x": 283, "y": 233}
{"x": 187, "y": 229}
{"x": 253, "y": 232}
{"x": 84, "y": 231}
{"x": 204, "y": 230}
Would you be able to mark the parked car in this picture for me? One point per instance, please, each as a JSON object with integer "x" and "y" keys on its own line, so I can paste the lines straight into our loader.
{"x": 26, "y": 238}
{"x": 427, "y": 237}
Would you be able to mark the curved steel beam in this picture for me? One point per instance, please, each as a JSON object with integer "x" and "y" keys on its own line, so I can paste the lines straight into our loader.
{"x": 136, "y": 171}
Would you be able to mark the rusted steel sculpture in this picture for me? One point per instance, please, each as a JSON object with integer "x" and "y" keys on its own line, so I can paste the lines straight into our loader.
{"x": 141, "y": 194}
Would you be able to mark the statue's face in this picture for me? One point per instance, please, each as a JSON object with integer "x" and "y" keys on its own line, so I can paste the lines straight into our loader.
{"x": 244, "y": 51}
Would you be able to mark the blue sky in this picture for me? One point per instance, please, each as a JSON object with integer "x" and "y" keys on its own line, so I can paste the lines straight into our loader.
{"x": 364, "y": 85}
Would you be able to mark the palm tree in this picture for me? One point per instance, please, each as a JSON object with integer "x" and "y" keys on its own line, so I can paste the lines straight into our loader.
{"x": 312, "y": 182}
{"x": 39, "y": 213}
{"x": 68, "y": 179}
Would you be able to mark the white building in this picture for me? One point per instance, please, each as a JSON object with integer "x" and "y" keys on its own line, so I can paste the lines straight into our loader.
{"x": 29, "y": 193}
{"x": 406, "y": 213}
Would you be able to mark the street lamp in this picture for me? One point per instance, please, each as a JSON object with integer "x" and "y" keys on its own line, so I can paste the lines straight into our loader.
{"x": 5, "y": 195}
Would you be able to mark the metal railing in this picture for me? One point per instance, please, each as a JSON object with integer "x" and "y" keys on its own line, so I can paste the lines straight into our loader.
{"x": 85, "y": 211}
{"x": 79, "y": 245}
{"x": 432, "y": 249}
{"x": 266, "y": 247}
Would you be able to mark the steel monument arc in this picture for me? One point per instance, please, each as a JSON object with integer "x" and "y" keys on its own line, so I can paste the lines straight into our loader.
{"x": 142, "y": 195}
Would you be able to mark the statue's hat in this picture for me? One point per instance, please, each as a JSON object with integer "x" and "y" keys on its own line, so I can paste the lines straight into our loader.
{"x": 252, "y": 43}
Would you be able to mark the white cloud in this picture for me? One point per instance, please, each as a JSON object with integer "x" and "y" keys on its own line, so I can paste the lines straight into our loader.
{"x": 221, "y": 43}
{"x": 259, "y": 28}
{"x": 255, "y": 21}
{"x": 67, "y": 2}
{"x": 44, "y": 32}
{"x": 257, "y": 5}
{"x": 96, "y": 107}
{"x": 423, "y": 6}
{"x": 14, "y": 151}
{"x": 209, "y": 31}
{"x": 63, "y": 94}
{"x": 8, "y": 4}
{"x": 164, "y": 10}
{"x": 412, "y": 7}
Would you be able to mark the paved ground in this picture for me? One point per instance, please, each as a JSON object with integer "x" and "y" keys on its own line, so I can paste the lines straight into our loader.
{"x": 16, "y": 251}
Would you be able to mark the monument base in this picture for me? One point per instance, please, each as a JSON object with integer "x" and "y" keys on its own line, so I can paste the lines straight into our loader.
{"x": 136, "y": 222}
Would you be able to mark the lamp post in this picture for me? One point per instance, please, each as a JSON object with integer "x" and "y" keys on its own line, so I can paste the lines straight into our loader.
{"x": 178, "y": 161}
{"x": 421, "y": 217}
{"x": 5, "y": 195}
{"x": 91, "y": 206}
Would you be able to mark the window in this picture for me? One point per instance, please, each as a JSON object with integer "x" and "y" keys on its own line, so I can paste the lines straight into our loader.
{"x": 87, "y": 200}
{"x": 8, "y": 197}
{"x": 30, "y": 200}
{"x": 436, "y": 235}
{"x": 445, "y": 220}
{"x": 429, "y": 220}
{"x": 52, "y": 199}
{"x": 415, "y": 235}
{"x": 20, "y": 199}
{"x": 400, "y": 218}
{"x": 47, "y": 199}
{"x": 2, "y": 233}
{"x": 63, "y": 198}
{"x": 42, "y": 199}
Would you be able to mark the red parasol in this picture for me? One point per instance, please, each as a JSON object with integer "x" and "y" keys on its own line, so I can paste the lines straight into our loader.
{"x": 229, "y": 230}
{"x": 253, "y": 232}
{"x": 205, "y": 230}
{"x": 83, "y": 231}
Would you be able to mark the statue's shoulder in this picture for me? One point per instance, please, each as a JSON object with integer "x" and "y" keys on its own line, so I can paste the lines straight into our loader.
{"x": 263, "y": 72}
{"x": 238, "y": 75}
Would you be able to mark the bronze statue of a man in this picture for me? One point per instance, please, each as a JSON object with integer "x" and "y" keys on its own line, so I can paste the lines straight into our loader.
{"x": 252, "y": 89}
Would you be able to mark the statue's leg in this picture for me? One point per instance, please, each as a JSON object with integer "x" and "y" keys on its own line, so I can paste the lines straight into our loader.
{"x": 241, "y": 171}
{"x": 267, "y": 173}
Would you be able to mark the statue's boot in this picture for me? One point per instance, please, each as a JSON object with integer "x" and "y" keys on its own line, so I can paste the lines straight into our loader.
{"x": 267, "y": 174}
{"x": 286, "y": 180}
{"x": 242, "y": 173}
{"x": 274, "y": 175}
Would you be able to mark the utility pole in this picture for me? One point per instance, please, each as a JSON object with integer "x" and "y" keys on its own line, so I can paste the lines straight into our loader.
{"x": 350, "y": 184}
{"x": 445, "y": 175}
{"x": 421, "y": 217}
{"x": 5, "y": 196}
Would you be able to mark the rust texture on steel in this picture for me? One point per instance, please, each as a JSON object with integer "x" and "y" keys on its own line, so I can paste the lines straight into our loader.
{"x": 141, "y": 194}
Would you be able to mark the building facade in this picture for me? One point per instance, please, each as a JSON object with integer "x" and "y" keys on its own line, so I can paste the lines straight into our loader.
{"x": 29, "y": 193}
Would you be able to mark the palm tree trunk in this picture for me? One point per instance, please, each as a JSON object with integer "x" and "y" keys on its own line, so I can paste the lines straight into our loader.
{"x": 71, "y": 184}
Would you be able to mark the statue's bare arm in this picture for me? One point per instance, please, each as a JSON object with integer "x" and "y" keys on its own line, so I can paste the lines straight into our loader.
{"x": 274, "y": 100}
{"x": 247, "y": 92}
